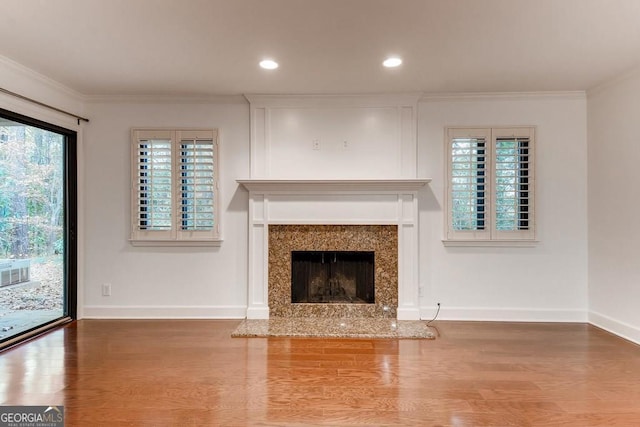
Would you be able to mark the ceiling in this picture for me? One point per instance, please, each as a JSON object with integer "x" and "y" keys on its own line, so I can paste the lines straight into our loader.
{"x": 212, "y": 47}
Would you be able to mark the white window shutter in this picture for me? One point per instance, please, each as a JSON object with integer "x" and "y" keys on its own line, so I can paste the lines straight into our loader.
{"x": 468, "y": 195}
{"x": 490, "y": 185}
{"x": 197, "y": 191}
{"x": 514, "y": 189}
{"x": 174, "y": 189}
{"x": 152, "y": 182}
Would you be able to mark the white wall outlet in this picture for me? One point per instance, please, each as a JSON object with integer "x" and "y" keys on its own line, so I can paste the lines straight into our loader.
{"x": 345, "y": 144}
{"x": 315, "y": 144}
{"x": 106, "y": 289}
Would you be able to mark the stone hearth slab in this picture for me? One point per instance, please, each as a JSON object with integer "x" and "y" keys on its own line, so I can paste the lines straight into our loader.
{"x": 333, "y": 328}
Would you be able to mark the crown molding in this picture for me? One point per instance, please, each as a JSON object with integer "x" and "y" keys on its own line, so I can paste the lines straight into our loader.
{"x": 507, "y": 96}
{"x": 334, "y": 100}
{"x": 620, "y": 79}
{"x": 41, "y": 78}
{"x": 165, "y": 99}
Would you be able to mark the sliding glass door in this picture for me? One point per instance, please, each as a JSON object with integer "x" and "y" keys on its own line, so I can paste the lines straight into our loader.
{"x": 37, "y": 226}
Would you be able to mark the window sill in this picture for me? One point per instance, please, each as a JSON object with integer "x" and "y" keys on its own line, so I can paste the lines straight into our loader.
{"x": 491, "y": 243}
{"x": 177, "y": 243}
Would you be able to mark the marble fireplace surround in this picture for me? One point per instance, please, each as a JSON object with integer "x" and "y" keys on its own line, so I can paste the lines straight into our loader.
{"x": 342, "y": 203}
{"x": 380, "y": 239}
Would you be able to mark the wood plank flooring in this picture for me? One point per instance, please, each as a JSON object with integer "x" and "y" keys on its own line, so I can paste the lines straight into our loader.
{"x": 191, "y": 373}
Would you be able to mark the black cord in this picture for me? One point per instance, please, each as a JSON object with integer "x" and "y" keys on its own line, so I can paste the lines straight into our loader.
{"x": 436, "y": 316}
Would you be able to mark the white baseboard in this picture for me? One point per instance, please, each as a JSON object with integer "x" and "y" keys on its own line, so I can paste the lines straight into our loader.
{"x": 621, "y": 329}
{"x": 163, "y": 312}
{"x": 494, "y": 314}
{"x": 257, "y": 312}
{"x": 408, "y": 313}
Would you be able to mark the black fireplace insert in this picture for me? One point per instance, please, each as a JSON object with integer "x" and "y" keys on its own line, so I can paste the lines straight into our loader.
{"x": 346, "y": 277}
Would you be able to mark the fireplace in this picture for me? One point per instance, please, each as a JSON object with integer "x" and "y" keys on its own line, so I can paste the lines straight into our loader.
{"x": 378, "y": 216}
{"x": 332, "y": 277}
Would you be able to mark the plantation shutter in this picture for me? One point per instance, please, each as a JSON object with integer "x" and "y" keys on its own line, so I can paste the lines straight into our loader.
{"x": 197, "y": 184}
{"x": 514, "y": 183}
{"x": 174, "y": 192}
{"x": 490, "y": 184}
{"x": 469, "y": 184}
{"x": 152, "y": 184}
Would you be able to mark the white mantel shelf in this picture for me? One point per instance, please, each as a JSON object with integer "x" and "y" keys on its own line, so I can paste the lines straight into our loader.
{"x": 324, "y": 185}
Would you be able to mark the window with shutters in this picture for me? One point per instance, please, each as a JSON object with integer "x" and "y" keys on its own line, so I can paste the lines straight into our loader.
{"x": 490, "y": 186}
{"x": 174, "y": 188}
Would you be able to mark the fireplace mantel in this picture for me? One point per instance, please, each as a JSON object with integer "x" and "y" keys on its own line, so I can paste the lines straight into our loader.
{"x": 332, "y": 185}
{"x": 333, "y": 202}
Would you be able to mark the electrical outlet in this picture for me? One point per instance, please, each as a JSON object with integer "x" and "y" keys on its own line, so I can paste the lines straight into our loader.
{"x": 345, "y": 144}
{"x": 106, "y": 289}
{"x": 315, "y": 144}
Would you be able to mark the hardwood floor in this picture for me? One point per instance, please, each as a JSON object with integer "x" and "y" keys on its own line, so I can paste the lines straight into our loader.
{"x": 183, "y": 373}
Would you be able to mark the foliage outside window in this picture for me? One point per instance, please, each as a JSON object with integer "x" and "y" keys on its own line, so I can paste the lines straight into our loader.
{"x": 31, "y": 191}
{"x": 490, "y": 184}
{"x": 174, "y": 189}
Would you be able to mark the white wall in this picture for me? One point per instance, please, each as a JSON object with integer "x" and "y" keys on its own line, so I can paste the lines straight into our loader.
{"x": 162, "y": 282}
{"x": 547, "y": 282}
{"x": 544, "y": 283}
{"x": 614, "y": 205}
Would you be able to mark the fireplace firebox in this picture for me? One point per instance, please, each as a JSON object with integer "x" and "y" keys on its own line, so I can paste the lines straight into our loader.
{"x": 344, "y": 277}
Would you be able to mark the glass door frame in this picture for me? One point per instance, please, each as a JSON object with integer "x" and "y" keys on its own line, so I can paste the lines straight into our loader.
{"x": 70, "y": 168}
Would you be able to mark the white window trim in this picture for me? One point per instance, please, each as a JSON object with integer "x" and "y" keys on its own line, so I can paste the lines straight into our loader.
{"x": 174, "y": 236}
{"x": 490, "y": 237}
{"x": 490, "y": 243}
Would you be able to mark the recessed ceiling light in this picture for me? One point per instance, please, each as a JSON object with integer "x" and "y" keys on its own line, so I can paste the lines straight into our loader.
{"x": 391, "y": 62}
{"x": 268, "y": 64}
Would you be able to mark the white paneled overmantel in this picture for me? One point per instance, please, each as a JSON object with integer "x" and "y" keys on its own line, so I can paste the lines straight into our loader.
{"x": 334, "y": 202}
{"x": 333, "y": 136}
